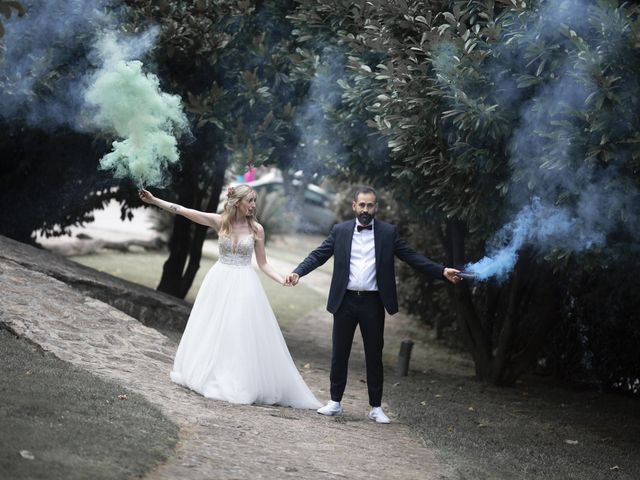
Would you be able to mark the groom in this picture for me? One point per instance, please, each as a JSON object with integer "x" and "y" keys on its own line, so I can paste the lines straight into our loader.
{"x": 362, "y": 287}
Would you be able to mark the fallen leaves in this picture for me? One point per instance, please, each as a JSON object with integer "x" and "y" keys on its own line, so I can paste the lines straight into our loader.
{"x": 26, "y": 454}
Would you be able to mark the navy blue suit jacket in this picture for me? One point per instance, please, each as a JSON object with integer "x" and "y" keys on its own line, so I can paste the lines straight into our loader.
{"x": 388, "y": 245}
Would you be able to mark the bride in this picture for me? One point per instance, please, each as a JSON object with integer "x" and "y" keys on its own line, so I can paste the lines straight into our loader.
{"x": 232, "y": 348}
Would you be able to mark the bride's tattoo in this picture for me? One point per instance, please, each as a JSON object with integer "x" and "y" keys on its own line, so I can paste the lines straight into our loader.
{"x": 174, "y": 208}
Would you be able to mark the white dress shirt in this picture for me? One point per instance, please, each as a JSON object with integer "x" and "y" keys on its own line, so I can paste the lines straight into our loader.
{"x": 362, "y": 269}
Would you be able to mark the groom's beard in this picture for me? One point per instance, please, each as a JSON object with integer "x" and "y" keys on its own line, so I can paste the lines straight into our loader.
{"x": 365, "y": 218}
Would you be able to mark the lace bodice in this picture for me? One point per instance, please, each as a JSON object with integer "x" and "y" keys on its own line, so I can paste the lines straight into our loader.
{"x": 235, "y": 254}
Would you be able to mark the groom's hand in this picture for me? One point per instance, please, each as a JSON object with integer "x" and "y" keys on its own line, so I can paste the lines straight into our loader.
{"x": 292, "y": 279}
{"x": 451, "y": 274}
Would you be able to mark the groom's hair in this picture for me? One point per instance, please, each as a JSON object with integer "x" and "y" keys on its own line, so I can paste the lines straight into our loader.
{"x": 364, "y": 189}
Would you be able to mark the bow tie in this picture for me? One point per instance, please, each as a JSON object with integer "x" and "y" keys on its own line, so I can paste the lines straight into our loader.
{"x": 364, "y": 227}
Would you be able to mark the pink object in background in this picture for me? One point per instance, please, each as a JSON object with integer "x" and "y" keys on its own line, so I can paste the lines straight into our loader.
{"x": 250, "y": 175}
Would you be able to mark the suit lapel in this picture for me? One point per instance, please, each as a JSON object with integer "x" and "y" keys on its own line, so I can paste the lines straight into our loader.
{"x": 348, "y": 240}
{"x": 377, "y": 240}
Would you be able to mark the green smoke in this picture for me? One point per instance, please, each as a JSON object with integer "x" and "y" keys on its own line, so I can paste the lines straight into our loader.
{"x": 130, "y": 103}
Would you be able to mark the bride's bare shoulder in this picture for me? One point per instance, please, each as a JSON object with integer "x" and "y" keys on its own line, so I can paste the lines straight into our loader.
{"x": 259, "y": 230}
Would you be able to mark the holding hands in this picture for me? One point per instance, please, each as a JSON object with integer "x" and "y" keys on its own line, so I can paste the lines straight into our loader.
{"x": 291, "y": 280}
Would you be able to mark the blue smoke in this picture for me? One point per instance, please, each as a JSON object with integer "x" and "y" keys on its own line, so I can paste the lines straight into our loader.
{"x": 318, "y": 142}
{"x": 67, "y": 64}
{"x": 549, "y": 154}
{"x": 545, "y": 226}
{"x": 50, "y": 58}
{"x": 45, "y": 58}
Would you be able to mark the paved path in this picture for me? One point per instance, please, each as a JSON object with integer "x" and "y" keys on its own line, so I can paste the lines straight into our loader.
{"x": 217, "y": 440}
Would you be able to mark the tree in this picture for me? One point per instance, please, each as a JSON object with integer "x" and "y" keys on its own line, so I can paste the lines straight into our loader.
{"x": 231, "y": 62}
{"x": 458, "y": 91}
{"x": 48, "y": 169}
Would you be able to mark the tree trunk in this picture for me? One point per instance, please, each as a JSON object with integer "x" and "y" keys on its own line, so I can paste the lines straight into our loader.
{"x": 187, "y": 238}
{"x": 195, "y": 251}
{"x": 494, "y": 337}
{"x": 478, "y": 344}
{"x": 171, "y": 280}
{"x": 504, "y": 348}
{"x": 520, "y": 341}
{"x": 548, "y": 296}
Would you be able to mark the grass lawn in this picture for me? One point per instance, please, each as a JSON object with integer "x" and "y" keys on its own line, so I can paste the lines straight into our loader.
{"x": 145, "y": 268}
{"x": 60, "y": 422}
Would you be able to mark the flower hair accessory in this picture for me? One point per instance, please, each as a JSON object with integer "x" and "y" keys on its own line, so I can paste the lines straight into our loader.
{"x": 230, "y": 191}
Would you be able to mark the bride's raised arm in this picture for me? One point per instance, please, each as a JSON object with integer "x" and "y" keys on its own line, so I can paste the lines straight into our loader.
{"x": 203, "y": 218}
{"x": 261, "y": 258}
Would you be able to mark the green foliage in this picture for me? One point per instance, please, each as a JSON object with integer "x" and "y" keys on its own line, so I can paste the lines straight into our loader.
{"x": 485, "y": 105}
{"x": 588, "y": 65}
{"x": 323, "y": 58}
{"x": 235, "y": 65}
{"x": 402, "y": 90}
{"x": 448, "y": 90}
{"x": 216, "y": 57}
{"x": 230, "y": 63}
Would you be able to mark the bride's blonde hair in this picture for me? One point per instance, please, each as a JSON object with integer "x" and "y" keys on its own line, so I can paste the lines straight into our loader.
{"x": 234, "y": 197}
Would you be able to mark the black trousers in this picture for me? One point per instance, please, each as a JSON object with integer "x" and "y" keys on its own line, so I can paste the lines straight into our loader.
{"x": 367, "y": 311}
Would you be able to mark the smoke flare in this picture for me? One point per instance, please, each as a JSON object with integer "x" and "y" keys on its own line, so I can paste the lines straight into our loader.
{"x": 130, "y": 103}
{"x": 565, "y": 198}
{"x": 541, "y": 225}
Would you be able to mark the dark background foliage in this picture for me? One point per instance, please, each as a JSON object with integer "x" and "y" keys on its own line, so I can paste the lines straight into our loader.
{"x": 460, "y": 113}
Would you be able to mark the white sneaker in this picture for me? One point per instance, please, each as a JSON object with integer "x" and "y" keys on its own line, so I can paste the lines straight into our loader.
{"x": 378, "y": 415}
{"x": 331, "y": 408}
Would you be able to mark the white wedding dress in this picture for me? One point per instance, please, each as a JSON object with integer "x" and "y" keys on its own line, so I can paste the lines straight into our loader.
{"x": 232, "y": 348}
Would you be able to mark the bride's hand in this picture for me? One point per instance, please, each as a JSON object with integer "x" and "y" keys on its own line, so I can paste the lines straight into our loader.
{"x": 146, "y": 196}
{"x": 291, "y": 280}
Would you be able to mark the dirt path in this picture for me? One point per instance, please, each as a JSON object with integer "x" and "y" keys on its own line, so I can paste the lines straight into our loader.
{"x": 217, "y": 439}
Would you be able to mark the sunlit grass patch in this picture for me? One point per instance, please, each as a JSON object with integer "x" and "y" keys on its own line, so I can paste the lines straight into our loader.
{"x": 145, "y": 268}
